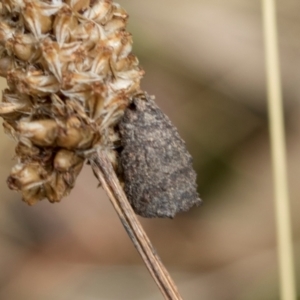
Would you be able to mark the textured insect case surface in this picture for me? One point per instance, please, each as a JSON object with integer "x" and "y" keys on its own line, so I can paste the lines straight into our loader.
{"x": 159, "y": 179}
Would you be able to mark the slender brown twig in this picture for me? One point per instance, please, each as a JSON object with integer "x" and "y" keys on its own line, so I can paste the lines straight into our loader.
{"x": 106, "y": 175}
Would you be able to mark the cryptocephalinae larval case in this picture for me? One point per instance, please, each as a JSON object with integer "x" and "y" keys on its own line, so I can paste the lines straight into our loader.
{"x": 157, "y": 171}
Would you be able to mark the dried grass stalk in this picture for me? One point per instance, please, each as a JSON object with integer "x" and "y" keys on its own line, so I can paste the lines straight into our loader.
{"x": 275, "y": 107}
{"x": 104, "y": 172}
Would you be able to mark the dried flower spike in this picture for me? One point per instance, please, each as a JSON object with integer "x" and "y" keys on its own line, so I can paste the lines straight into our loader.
{"x": 70, "y": 74}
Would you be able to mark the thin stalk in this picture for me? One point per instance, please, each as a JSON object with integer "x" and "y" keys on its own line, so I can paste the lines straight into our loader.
{"x": 109, "y": 181}
{"x": 276, "y": 124}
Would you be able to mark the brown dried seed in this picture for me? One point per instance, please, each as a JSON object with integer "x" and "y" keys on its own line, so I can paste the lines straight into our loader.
{"x": 10, "y": 130}
{"x": 27, "y": 153}
{"x": 98, "y": 10}
{"x": 26, "y": 176}
{"x": 13, "y": 105}
{"x": 79, "y": 5}
{"x": 10, "y": 108}
{"x": 70, "y": 176}
{"x": 101, "y": 61}
{"x": 95, "y": 105}
{"x": 35, "y": 20}
{"x": 74, "y": 135}
{"x": 33, "y": 195}
{"x": 65, "y": 160}
{"x": 64, "y": 23}
{"x": 88, "y": 32}
{"x": 32, "y": 82}
{"x": 115, "y": 24}
{"x": 51, "y": 53}
{"x": 56, "y": 188}
{"x": 6, "y": 32}
{"x": 6, "y": 64}
{"x": 41, "y": 132}
{"x": 113, "y": 110}
{"x": 126, "y": 63}
{"x": 79, "y": 92}
{"x": 38, "y": 15}
{"x": 119, "y": 11}
{"x": 58, "y": 106}
{"x": 23, "y": 46}
{"x": 41, "y": 85}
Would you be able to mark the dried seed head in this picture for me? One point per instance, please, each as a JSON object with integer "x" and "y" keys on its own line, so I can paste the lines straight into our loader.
{"x": 71, "y": 75}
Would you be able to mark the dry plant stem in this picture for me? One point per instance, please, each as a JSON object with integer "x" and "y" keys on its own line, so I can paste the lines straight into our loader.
{"x": 109, "y": 181}
{"x": 284, "y": 228}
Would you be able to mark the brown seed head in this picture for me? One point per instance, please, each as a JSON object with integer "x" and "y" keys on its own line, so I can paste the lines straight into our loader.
{"x": 71, "y": 75}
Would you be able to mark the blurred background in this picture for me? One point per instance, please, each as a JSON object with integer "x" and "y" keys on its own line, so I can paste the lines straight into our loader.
{"x": 204, "y": 62}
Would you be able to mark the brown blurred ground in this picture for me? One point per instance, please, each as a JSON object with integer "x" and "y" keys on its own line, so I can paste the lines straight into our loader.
{"x": 204, "y": 61}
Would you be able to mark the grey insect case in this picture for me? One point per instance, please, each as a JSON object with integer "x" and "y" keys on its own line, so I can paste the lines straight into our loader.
{"x": 157, "y": 171}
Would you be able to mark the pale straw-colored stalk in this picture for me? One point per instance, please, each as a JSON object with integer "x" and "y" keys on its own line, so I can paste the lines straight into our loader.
{"x": 276, "y": 123}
